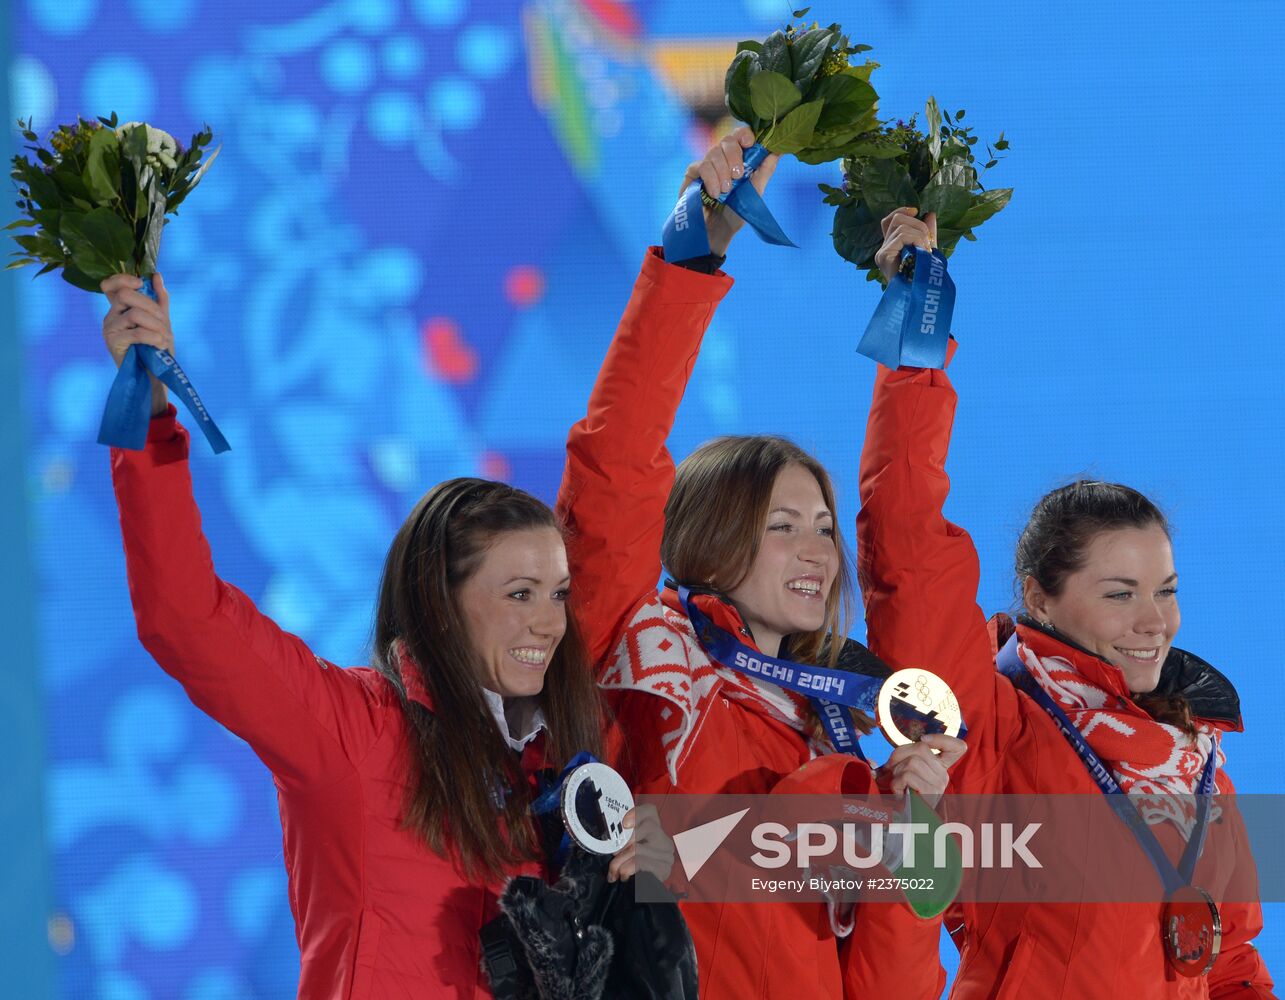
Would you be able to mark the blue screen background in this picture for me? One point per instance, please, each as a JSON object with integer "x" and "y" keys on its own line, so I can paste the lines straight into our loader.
{"x": 410, "y": 257}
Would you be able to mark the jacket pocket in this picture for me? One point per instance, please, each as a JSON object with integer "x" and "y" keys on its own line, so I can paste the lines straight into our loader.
{"x": 1012, "y": 984}
{"x": 363, "y": 975}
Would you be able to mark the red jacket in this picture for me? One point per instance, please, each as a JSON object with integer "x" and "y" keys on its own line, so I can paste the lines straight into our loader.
{"x": 919, "y": 576}
{"x": 377, "y": 914}
{"x": 613, "y": 495}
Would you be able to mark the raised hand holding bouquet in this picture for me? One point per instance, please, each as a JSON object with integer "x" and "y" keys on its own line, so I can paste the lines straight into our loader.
{"x": 936, "y": 178}
{"x": 96, "y": 203}
{"x": 799, "y": 93}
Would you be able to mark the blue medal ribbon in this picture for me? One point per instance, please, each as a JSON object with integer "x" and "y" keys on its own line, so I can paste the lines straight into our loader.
{"x": 550, "y": 800}
{"x": 911, "y": 324}
{"x": 832, "y": 692}
{"x": 1011, "y": 666}
{"x": 129, "y": 403}
{"x": 684, "y": 235}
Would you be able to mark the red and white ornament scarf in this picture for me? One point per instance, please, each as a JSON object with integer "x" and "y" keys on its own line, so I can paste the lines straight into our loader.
{"x": 1148, "y": 758}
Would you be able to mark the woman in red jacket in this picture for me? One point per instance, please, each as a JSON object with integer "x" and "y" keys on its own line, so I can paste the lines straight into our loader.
{"x": 1095, "y": 645}
{"x": 404, "y": 789}
{"x": 749, "y": 525}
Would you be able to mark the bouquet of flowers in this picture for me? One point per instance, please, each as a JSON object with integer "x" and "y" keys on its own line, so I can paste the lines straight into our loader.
{"x": 800, "y": 93}
{"x": 898, "y": 165}
{"x": 95, "y": 204}
{"x": 97, "y": 200}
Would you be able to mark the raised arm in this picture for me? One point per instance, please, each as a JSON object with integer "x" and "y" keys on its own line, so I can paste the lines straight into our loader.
{"x": 918, "y": 572}
{"x": 306, "y": 719}
{"x": 618, "y": 471}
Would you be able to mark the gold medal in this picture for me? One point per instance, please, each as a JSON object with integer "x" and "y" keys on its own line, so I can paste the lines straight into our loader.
{"x": 912, "y": 691}
{"x": 1192, "y": 931}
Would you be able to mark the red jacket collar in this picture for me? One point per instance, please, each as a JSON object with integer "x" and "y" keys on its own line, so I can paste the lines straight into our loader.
{"x": 411, "y": 676}
{"x": 720, "y": 612}
{"x": 1093, "y": 669}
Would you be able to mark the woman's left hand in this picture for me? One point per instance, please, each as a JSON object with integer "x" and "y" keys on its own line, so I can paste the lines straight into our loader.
{"x": 650, "y": 850}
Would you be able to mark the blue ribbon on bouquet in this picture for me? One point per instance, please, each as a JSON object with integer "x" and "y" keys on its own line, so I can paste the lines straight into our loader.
{"x": 1009, "y": 663}
{"x": 832, "y": 692}
{"x": 684, "y": 235}
{"x": 911, "y": 325}
{"x": 129, "y": 403}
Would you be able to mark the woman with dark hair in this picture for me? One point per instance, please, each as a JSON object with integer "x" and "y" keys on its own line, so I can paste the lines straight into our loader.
{"x": 748, "y": 525}
{"x": 1091, "y": 697}
{"x": 405, "y": 789}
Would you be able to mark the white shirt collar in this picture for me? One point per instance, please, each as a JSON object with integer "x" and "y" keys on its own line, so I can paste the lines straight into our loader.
{"x": 496, "y": 704}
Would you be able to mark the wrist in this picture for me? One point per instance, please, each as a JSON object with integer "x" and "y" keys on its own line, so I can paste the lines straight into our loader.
{"x": 160, "y": 399}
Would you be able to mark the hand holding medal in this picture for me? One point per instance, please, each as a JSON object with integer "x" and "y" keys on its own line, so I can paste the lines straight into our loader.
{"x": 598, "y": 813}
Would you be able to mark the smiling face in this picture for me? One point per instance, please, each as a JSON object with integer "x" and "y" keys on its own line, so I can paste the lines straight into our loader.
{"x": 788, "y": 582}
{"x": 1121, "y": 604}
{"x": 514, "y": 607}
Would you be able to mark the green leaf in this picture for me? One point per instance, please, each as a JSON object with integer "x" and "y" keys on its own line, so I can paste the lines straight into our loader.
{"x": 794, "y": 132}
{"x": 749, "y": 45}
{"x": 874, "y": 151}
{"x": 948, "y": 201}
{"x": 102, "y": 167}
{"x": 737, "y": 86}
{"x": 863, "y": 71}
{"x": 857, "y": 233}
{"x": 73, "y": 275}
{"x": 807, "y": 51}
{"x": 834, "y": 195}
{"x": 847, "y": 98}
{"x": 984, "y": 206}
{"x": 802, "y": 13}
{"x": 196, "y": 179}
{"x": 776, "y": 54}
{"x": 772, "y": 95}
{"x": 110, "y": 235}
{"x": 885, "y": 185}
{"x": 44, "y": 190}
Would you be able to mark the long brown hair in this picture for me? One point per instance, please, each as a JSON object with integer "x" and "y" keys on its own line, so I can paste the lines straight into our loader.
{"x": 460, "y": 765}
{"x": 1055, "y": 542}
{"x": 714, "y": 522}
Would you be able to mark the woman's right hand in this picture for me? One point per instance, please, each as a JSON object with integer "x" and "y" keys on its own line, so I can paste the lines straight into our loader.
{"x": 902, "y": 229}
{"x": 133, "y": 318}
{"x": 721, "y": 166}
{"x": 916, "y": 768}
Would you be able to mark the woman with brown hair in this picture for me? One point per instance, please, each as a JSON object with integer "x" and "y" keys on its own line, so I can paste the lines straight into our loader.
{"x": 749, "y": 529}
{"x": 1091, "y": 698}
{"x": 404, "y": 790}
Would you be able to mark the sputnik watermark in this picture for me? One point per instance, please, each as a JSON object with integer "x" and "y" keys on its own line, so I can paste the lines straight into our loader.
{"x": 865, "y": 846}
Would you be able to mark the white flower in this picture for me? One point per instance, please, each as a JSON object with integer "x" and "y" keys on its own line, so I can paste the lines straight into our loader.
{"x": 161, "y": 146}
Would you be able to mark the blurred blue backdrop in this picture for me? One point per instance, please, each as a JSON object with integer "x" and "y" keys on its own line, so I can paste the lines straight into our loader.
{"x": 424, "y": 223}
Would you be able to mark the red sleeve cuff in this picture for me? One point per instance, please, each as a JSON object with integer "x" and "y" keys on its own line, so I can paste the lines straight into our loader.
{"x": 167, "y": 442}
{"x": 163, "y": 426}
{"x": 681, "y": 284}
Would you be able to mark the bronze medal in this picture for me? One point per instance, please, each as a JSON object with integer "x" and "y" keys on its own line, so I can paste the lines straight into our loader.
{"x": 1192, "y": 931}
{"x": 915, "y": 702}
